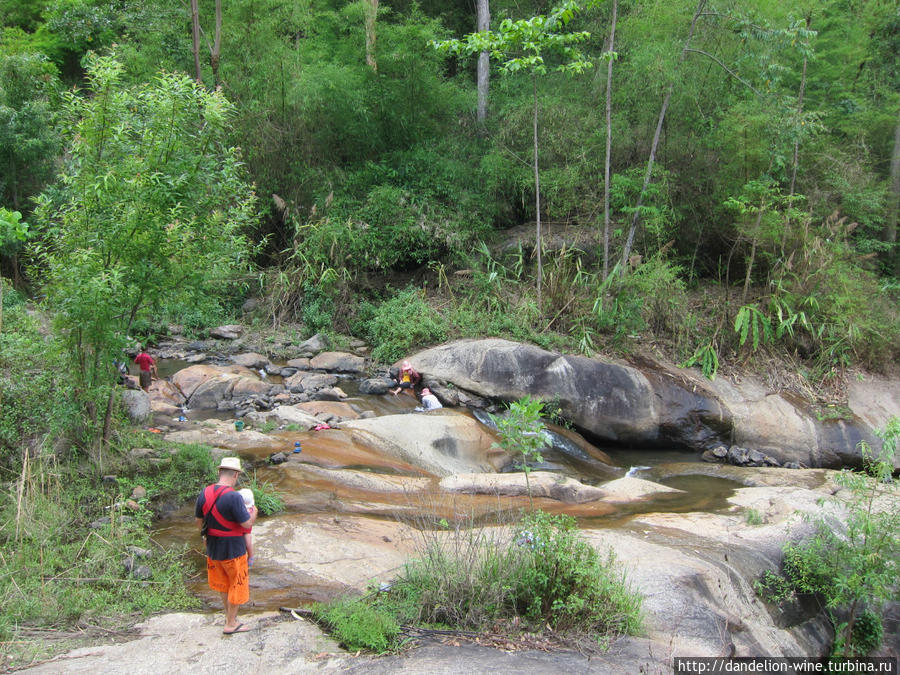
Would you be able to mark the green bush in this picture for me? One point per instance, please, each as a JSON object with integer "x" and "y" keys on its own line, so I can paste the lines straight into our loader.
{"x": 359, "y": 625}
{"x": 464, "y": 584}
{"x": 318, "y": 308}
{"x": 540, "y": 572}
{"x": 773, "y": 587}
{"x": 267, "y": 500}
{"x": 854, "y": 568}
{"x": 403, "y": 323}
{"x": 868, "y": 632}
{"x": 651, "y": 297}
{"x": 39, "y": 402}
{"x": 176, "y": 479}
{"x": 566, "y": 584}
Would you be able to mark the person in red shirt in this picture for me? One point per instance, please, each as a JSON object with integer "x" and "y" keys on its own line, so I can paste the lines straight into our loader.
{"x": 148, "y": 367}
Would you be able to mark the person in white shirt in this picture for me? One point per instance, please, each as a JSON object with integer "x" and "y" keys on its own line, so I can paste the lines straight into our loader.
{"x": 429, "y": 400}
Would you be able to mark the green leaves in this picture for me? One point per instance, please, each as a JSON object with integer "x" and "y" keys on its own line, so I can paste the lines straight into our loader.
{"x": 854, "y": 567}
{"x": 152, "y": 208}
{"x": 750, "y": 322}
{"x": 28, "y": 141}
{"x": 13, "y": 230}
{"x": 521, "y": 430}
{"x": 707, "y": 358}
{"x": 521, "y": 44}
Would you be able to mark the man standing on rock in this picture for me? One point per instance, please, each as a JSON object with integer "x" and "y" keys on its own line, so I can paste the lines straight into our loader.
{"x": 148, "y": 367}
{"x": 222, "y": 518}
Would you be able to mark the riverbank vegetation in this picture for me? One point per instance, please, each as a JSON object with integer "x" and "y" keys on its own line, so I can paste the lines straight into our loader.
{"x": 851, "y": 571}
{"x": 746, "y": 205}
{"x": 535, "y": 575}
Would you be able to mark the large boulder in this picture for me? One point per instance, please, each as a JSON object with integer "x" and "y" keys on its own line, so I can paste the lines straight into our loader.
{"x": 376, "y": 386}
{"x": 165, "y": 391}
{"x": 212, "y": 392}
{"x": 442, "y": 444}
{"x": 206, "y": 387}
{"x": 317, "y": 343}
{"x": 188, "y": 379}
{"x": 137, "y": 405}
{"x": 249, "y": 386}
{"x": 231, "y": 331}
{"x": 309, "y": 382}
{"x": 285, "y": 414}
{"x": 612, "y": 401}
{"x": 782, "y": 427}
{"x": 874, "y": 399}
{"x": 250, "y": 360}
{"x": 338, "y": 362}
{"x": 653, "y": 403}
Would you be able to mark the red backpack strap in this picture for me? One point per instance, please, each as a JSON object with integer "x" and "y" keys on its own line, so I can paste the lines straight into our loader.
{"x": 211, "y": 496}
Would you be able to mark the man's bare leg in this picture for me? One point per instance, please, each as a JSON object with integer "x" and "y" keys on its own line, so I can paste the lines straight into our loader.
{"x": 230, "y": 614}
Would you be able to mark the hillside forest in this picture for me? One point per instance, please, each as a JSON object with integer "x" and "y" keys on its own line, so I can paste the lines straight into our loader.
{"x": 712, "y": 183}
{"x": 718, "y": 182}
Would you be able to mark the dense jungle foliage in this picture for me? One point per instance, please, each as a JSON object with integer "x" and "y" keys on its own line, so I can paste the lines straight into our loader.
{"x": 712, "y": 180}
{"x": 338, "y": 152}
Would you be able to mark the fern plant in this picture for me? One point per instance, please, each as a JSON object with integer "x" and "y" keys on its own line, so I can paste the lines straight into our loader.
{"x": 752, "y": 323}
{"x": 707, "y": 358}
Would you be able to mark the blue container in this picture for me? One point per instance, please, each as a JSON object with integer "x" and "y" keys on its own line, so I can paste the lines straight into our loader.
{"x": 297, "y": 447}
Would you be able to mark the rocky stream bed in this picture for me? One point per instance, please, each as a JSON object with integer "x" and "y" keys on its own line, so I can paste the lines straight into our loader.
{"x": 376, "y": 472}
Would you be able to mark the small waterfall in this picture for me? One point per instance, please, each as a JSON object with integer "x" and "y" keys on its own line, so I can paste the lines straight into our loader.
{"x": 634, "y": 470}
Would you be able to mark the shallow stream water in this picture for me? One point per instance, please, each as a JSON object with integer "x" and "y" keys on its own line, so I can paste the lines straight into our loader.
{"x": 314, "y": 488}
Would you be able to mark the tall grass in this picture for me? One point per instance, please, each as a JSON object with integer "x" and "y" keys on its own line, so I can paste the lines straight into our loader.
{"x": 533, "y": 573}
{"x": 75, "y": 552}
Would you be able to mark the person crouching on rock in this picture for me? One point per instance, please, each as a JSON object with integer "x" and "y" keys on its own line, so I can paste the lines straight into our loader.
{"x": 407, "y": 379}
{"x": 429, "y": 400}
{"x": 224, "y": 519}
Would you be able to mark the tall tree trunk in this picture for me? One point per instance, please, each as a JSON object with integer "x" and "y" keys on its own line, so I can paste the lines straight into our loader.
{"x": 217, "y": 45}
{"x": 371, "y": 15}
{"x": 609, "y": 69}
{"x": 484, "y": 62}
{"x": 796, "y": 158}
{"x": 13, "y": 184}
{"x": 795, "y": 161}
{"x": 890, "y": 224}
{"x": 107, "y": 422}
{"x": 195, "y": 36}
{"x": 537, "y": 196}
{"x": 662, "y": 116}
{"x": 753, "y": 244}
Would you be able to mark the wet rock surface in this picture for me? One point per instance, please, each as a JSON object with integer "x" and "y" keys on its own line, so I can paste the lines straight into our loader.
{"x": 357, "y": 494}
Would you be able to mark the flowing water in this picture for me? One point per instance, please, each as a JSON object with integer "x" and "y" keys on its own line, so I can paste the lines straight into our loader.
{"x": 333, "y": 478}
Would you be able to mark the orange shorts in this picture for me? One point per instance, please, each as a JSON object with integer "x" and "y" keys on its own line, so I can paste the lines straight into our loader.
{"x": 230, "y": 576}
